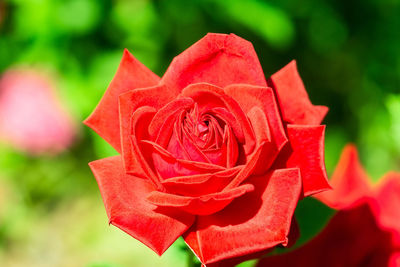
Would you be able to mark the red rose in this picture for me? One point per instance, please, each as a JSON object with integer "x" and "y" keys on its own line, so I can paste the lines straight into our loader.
{"x": 352, "y": 185}
{"x": 351, "y": 238}
{"x": 205, "y": 152}
{"x": 366, "y": 229}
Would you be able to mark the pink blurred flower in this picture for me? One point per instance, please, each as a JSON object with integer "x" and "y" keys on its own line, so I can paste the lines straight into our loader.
{"x": 32, "y": 118}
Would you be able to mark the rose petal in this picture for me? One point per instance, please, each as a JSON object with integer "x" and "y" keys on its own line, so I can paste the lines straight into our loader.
{"x": 200, "y": 184}
{"x": 209, "y": 97}
{"x": 124, "y": 198}
{"x": 306, "y": 151}
{"x": 351, "y": 238}
{"x": 169, "y": 166}
{"x": 247, "y": 169}
{"x": 269, "y": 149}
{"x": 231, "y": 262}
{"x": 202, "y": 205}
{"x": 293, "y": 99}
{"x": 194, "y": 152}
{"x": 154, "y": 97}
{"x": 232, "y": 152}
{"x": 349, "y": 181}
{"x": 170, "y": 110}
{"x": 388, "y": 197}
{"x": 394, "y": 260}
{"x": 131, "y": 74}
{"x": 257, "y": 221}
{"x": 217, "y": 59}
{"x": 136, "y": 162}
{"x": 263, "y": 97}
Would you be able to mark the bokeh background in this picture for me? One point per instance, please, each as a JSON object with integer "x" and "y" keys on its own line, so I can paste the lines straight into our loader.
{"x": 57, "y": 57}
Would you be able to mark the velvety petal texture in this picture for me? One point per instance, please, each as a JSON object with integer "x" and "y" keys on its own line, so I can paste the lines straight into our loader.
{"x": 295, "y": 105}
{"x": 351, "y": 238}
{"x": 307, "y": 153}
{"x": 205, "y": 152}
{"x": 217, "y": 59}
{"x": 252, "y": 223}
{"x": 131, "y": 74}
{"x": 364, "y": 232}
{"x": 387, "y": 194}
{"x": 124, "y": 198}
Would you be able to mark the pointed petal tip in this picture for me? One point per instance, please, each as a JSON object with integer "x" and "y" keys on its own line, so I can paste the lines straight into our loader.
{"x": 350, "y": 148}
{"x": 158, "y": 250}
{"x": 295, "y": 104}
{"x": 327, "y": 187}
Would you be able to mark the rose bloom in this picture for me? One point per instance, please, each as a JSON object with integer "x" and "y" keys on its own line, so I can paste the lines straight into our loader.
{"x": 32, "y": 117}
{"x": 211, "y": 151}
{"x": 364, "y": 232}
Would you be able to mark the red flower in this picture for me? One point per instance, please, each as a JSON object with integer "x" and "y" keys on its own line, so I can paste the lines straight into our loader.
{"x": 204, "y": 150}
{"x": 364, "y": 232}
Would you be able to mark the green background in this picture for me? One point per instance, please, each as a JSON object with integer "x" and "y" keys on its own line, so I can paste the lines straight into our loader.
{"x": 51, "y": 213}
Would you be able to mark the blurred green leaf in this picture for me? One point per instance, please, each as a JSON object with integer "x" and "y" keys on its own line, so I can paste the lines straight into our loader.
{"x": 327, "y": 30}
{"x": 76, "y": 16}
{"x": 312, "y": 216}
{"x": 269, "y": 21}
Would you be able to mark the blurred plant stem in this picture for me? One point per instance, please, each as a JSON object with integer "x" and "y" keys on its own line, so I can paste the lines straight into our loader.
{"x": 191, "y": 259}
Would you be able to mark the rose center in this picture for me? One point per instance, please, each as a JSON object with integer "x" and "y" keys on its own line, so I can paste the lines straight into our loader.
{"x": 204, "y": 130}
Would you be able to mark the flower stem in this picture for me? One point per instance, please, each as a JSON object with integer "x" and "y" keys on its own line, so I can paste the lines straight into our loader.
{"x": 191, "y": 259}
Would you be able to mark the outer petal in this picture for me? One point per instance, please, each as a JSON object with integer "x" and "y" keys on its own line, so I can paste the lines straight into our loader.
{"x": 351, "y": 238}
{"x": 350, "y": 182}
{"x": 395, "y": 260}
{"x": 131, "y": 74}
{"x": 124, "y": 198}
{"x": 295, "y": 105}
{"x": 306, "y": 151}
{"x": 388, "y": 197}
{"x": 218, "y": 59}
{"x": 252, "y": 223}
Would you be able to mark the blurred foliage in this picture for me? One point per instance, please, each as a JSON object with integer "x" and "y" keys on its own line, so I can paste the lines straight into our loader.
{"x": 348, "y": 55}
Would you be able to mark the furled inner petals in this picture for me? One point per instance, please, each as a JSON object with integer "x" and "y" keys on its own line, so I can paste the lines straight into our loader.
{"x": 203, "y": 130}
{"x": 210, "y": 97}
{"x": 190, "y": 133}
{"x": 172, "y": 109}
{"x": 269, "y": 149}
